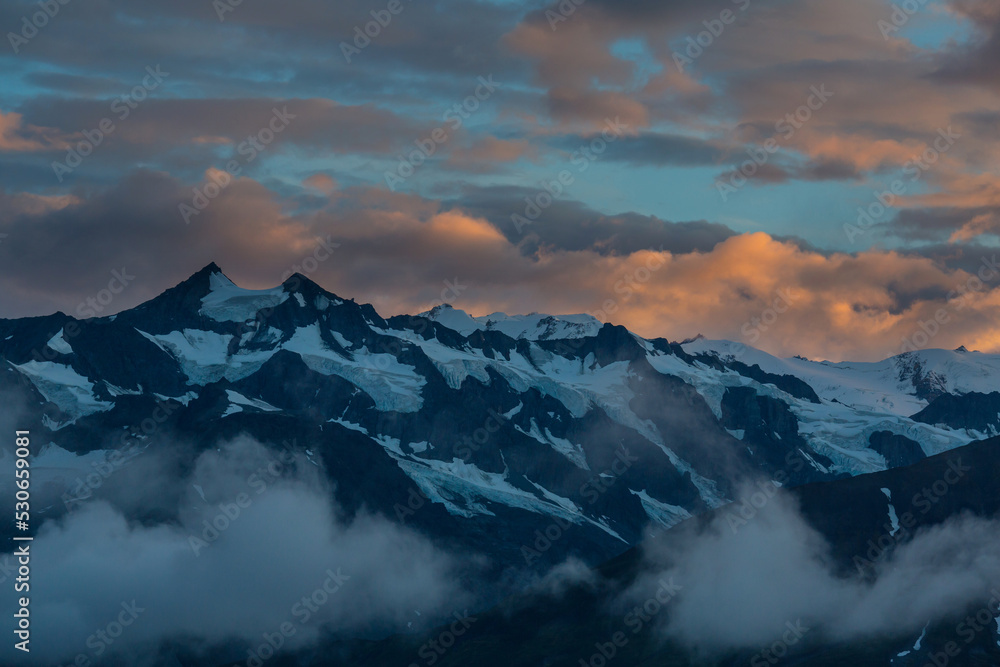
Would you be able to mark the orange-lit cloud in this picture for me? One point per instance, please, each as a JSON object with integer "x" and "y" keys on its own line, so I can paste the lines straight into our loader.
{"x": 16, "y": 137}
{"x": 397, "y": 252}
{"x": 322, "y": 182}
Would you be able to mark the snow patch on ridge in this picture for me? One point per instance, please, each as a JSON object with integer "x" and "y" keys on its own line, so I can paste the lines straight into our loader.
{"x": 535, "y": 326}
{"x": 60, "y": 384}
{"x": 571, "y": 451}
{"x": 665, "y": 514}
{"x": 204, "y": 355}
{"x": 59, "y": 344}
{"x": 392, "y": 385}
{"x": 238, "y": 401}
{"x": 225, "y": 302}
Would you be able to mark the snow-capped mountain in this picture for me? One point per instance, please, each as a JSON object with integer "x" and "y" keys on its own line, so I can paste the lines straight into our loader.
{"x": 484, "y": 431}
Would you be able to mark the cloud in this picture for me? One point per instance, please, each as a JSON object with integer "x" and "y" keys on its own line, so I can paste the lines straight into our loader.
{"x": 741, "y": 587}
{"x": 276, "y": 542}
{"x": 15, "y": 136}
{"x": 397, "y": 252}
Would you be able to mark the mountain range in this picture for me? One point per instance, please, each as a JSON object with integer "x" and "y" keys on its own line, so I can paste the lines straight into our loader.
{"x": 526, "y": 442}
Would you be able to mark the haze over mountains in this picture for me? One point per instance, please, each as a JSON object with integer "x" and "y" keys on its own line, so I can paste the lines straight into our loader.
{"x": 442, "y": 461}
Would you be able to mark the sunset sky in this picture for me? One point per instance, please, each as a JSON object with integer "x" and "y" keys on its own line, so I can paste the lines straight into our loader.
{"x": 677, "y": 167}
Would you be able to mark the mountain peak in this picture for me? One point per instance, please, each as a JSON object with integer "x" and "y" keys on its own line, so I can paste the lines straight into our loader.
{"x": 297, "y": 282}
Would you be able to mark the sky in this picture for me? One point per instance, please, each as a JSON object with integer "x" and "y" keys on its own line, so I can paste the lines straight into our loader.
{"x": 806, "y": 177}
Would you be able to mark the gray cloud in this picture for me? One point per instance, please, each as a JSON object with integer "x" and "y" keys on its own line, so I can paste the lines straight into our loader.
{"x": 572, "y": 225}
{"x": 242, "y": 583}
{"x": 742, "y": 586}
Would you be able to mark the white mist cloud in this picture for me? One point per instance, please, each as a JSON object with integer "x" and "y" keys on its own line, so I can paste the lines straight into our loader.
{"x": 281, "y": 547}
{"x": 741, "y": 587}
